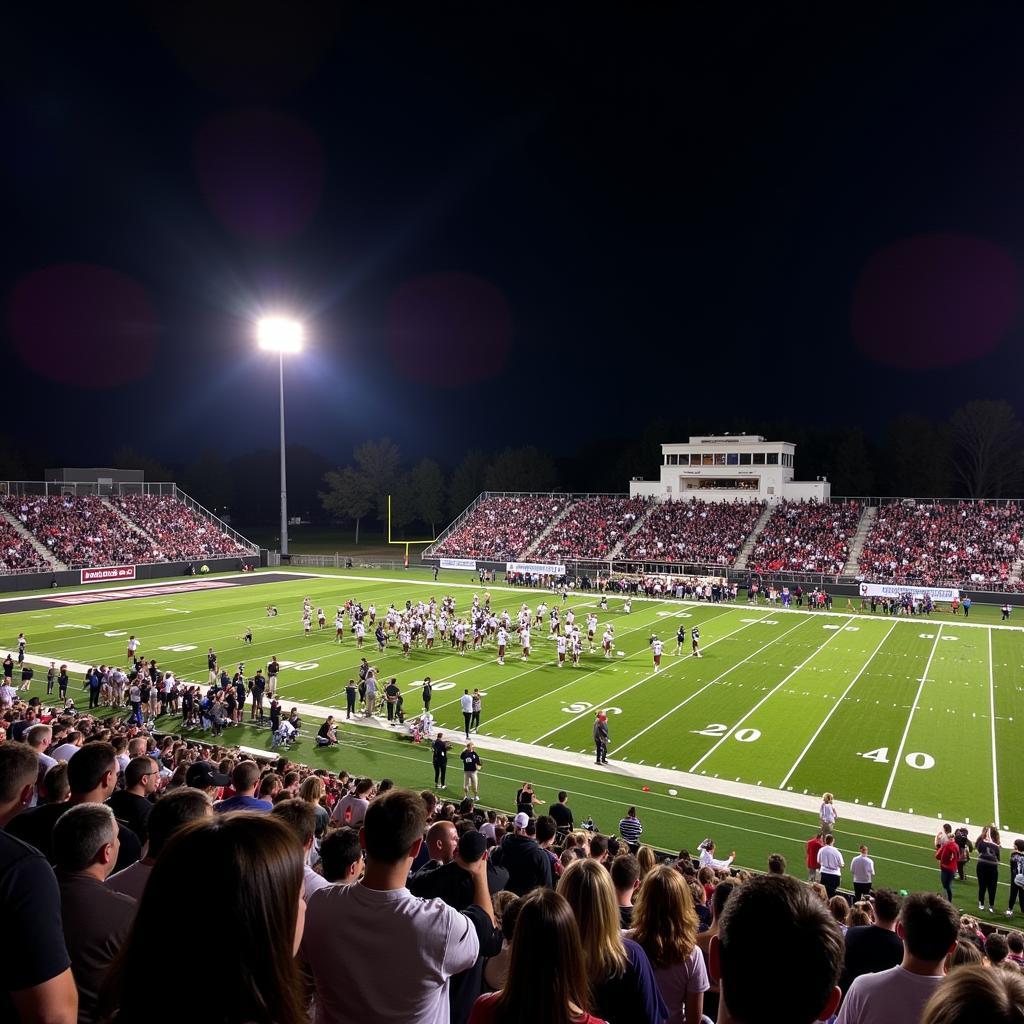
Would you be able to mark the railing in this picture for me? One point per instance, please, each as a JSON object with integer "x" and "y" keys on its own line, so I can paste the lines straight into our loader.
{"x": 455, "y": 524}
{"x": 339, "y": 561}
{"x": 191, "y": 503}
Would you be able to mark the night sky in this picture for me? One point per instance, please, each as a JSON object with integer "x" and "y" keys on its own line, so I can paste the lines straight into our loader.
{"x": 503, "y": 224}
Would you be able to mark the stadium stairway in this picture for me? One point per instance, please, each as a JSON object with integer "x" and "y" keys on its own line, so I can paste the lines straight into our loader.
{"x": 867, "y": 520}
{"x": 748, "y": 545}
{"x": 131, "y": 523}
{"x": 524, "y": 555}
{"x": 617, "y": 550}
{"x": 52, "y": 560}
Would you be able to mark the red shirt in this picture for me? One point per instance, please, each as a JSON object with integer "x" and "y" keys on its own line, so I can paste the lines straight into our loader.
{"x": 948, "y": 856}
{"x": 483, "y": 1012}
{"x": 813, "y": 846}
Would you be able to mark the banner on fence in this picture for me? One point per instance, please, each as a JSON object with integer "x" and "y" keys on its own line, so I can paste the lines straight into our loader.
{"x": 458, "y": 563}
{"x": 108, "y": 572}
{"x": 540, "y": 568}
{"x": 897, "y": 589}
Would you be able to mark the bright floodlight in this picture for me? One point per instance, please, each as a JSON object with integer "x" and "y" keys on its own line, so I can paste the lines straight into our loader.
{"x": 279, "y": 334}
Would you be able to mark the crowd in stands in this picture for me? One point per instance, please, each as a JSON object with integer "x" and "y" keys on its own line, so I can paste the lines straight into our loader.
{"x": 87, "y": 530}
{"x": 16, "y": 553}
{"x": 710, "y": 533}
{"x": 807, "y": 536}
{"x": 590, "y": 529}
{"x": 501, "y": 529}
{"x": 944, "y": 544}
{"x": 346, "y": 901}
{"x": 180, "y": 533}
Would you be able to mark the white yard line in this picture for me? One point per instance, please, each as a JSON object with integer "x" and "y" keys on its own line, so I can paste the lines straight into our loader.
{"x": 775, "y": 689}
{"x": 910, "y": 717}
{"x": 697, "y": 693}
{"x": 835, "y": 707}
{"x": 992, "y": 718}
{"x": 614, "y": 696}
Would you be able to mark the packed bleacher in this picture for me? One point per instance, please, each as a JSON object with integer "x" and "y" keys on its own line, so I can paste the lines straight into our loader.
{"x": 711, "y": 533}
{"x": 501, "y": 529}
{"x": 440, "y": 911}
{"x": 180, "y": 533}
{"x": 590, "y": 529}
{"x": 807, "y": 536}
{"x": 966, "y": 543}
{"x": 16, "y": 553}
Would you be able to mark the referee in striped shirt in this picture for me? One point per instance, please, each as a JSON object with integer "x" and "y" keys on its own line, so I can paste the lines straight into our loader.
{"x": 630, "y": 829}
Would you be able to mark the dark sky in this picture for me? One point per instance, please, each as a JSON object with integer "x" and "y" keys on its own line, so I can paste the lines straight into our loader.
{"x": 503, "y": 223}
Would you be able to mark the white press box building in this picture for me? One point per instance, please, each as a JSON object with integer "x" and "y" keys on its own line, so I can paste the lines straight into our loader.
{"x": 730, "y": 467}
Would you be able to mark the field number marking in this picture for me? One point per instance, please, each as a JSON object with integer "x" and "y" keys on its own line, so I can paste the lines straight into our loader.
{"x": 299, "y": 666}
{"x": 917, "y": 759}
{"x": 719, "y": 729}
{"x": 580, "y": 706}
{"x": 178, "y": 648}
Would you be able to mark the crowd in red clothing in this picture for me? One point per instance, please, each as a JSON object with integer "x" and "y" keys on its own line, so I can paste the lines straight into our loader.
{"x": 694, "y": 531}
{"x": 807, "y": 536}
{"x": 501, "y": 529}
{"x": 16, "y": 553}
{"x": 591, "y": 528}
{"x": 180, "y": 532}
{"x": 936, "y": 544}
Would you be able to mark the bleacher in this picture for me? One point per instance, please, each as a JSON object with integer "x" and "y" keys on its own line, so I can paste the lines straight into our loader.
{"x": 807, "y": 536}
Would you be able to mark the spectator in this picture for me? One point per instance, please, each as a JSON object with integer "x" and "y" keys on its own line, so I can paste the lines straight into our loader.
{"x": 244, "y": 779}
{"x": 800, "y": 985}
{"x": 665, "y": 926}
{"x": 341, "y": 856}
{"x": 620, "y": 972}
{"x": 630, "y": 829}
{"x": 928, "y": 926}
{"x": 36, "y": 983}
{"x": 311, "y": 789}
{"x": 263, "y": 861}
{"x": 646, "y": 859}
{"x": 776, "y": 864}
{"x": 506, "y": 909}
{"x": 723, "y": 891}
{"x": 996, "y": 949}
{"x": 527, "y": 864}
{"x": 1015, "y": 942}
{"x": 388, "y": 925}
{"x": 351, "y": 809}
{"x": 1016, "y": 876}
{"x": 204, "y": 776}
{"x": 450, "y": 880}
{"x": 707, "y": 857}
{"x": 830, "y": 864}
{"x": 439, "y": 847}
{"x": 133, "y": 804}
{"x": 547, "y": 977}
{"x": 562, "y": 814}
{"x": 827, "y": 815}
{"x": 948, "y": 856}
{"x": 840, "y": 910}
{"x": 171, "y": 812}
{"x": 988, "y": 848}
{"x": 862, "y": 871}
{"x": 626, "y": 880}
{"x": 971, "y": 995}
{"x": 96, "y": 919}
{"x": 875, "y": 947}
{"x": 300, "y": 817}
{"x": 806, "y": 536}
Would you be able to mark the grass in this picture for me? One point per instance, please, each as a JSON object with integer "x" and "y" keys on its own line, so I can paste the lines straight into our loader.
{"x": 889, "y": 712}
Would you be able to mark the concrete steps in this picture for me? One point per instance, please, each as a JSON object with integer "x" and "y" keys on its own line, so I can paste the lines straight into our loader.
{"x": 867, "y": 521}
{"x": 617, "y": 550}
{"x": 131, "y": 523}
{"x": 22, "y": 530}
{"x": 525, "y": 555}
{"x": 748, "y": 545}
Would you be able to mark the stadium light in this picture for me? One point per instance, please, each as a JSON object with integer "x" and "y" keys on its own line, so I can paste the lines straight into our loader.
{"x": 280, "y": 334}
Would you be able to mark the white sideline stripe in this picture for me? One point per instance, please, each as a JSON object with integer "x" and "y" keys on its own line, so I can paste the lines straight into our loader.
{"x": 910, "y": 717}
{"x": 835, "y": 707}
{"x": 615, "y": 696}
{"x": 712, "y": 682}
{"x": 992, "y": 715}
{"x": 775, "y": 689}
{"x": 699, "y": 784}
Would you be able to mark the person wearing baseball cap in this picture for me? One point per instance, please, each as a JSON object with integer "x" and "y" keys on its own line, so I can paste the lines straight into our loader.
{"x": 203, "y": 775}
{"x": 520, "y": 854}
{"x": 601, "y": 738}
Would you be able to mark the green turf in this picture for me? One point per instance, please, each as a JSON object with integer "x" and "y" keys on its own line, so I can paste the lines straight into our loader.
{"x": 791, "y": 700}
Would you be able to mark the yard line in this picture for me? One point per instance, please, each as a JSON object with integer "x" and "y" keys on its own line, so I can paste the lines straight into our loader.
{"x": 910, "y": 717}
{"x": 615, "y": 696}
{"x": 697, "y": 693}
{"x": 992, "y": 718}
{"x": 775, "y": 689}
{"x": 796, "y": 763}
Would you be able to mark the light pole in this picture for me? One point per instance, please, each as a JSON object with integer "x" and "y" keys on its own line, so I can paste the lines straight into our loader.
{"x": 279, "y": 334}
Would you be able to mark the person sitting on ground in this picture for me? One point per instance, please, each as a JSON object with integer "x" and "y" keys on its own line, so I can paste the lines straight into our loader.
{"x": 928, "y": 925}
{"x": 264, "y": 903}
{"x": 327, "y": 734}
{"x": 797, "y": 987}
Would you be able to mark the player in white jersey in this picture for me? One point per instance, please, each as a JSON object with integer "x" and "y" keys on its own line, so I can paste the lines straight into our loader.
{"x": 478, "y": 635}
{"x": 339, "y": 627}
{"x": 561, "y": 645}
{"x": 321, "y": 619}
{"x": 372, "y": 611}
{"x": 627, "y": 605}
{"x": 307, "y": 606}
{"x": 576, "y": 647}
{"x": 360, "y": 634}
{"x": 541, "y": 610}
{"x": 656, "y": 648}
{"x": 403, "y": 638}
{"x": 524, "y": 638}
{"x": 591, "y": 630}
{"x": 307, "y": 624}
{"x": 608, "y": 642}
{"x": 459, "y": 634}
{"x": 428, "y": 631}
{"x": 502, "y": 640}
{"x": 570, "y": 619}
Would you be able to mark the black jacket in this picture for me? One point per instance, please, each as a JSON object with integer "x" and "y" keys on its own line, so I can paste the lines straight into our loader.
{"x": 527, "y": 864}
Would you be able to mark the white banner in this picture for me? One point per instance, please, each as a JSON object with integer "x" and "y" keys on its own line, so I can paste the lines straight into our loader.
{"x": 540, "y": 568}
{"x": 896, "y": 589}
{"x": 458, "y": 563}
{"x": 108, "y": 572}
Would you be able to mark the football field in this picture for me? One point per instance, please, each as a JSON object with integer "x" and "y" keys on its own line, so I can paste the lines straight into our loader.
{"x": 906, "y": 714}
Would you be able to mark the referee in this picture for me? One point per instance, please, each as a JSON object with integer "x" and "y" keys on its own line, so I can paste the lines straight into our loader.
{"x": 630, "y": 829}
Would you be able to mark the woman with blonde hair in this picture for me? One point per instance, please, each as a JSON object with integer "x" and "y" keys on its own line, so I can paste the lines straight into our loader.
{"x": 665, "y": 926}
{"x": 646, "y": 859}
{"x": 827, "y": 814}
{"x": 547, "y": 980}
{"x": 312, "y": 791}
{"x": 971, "y": 994}
{"x": 619, "y": 970}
